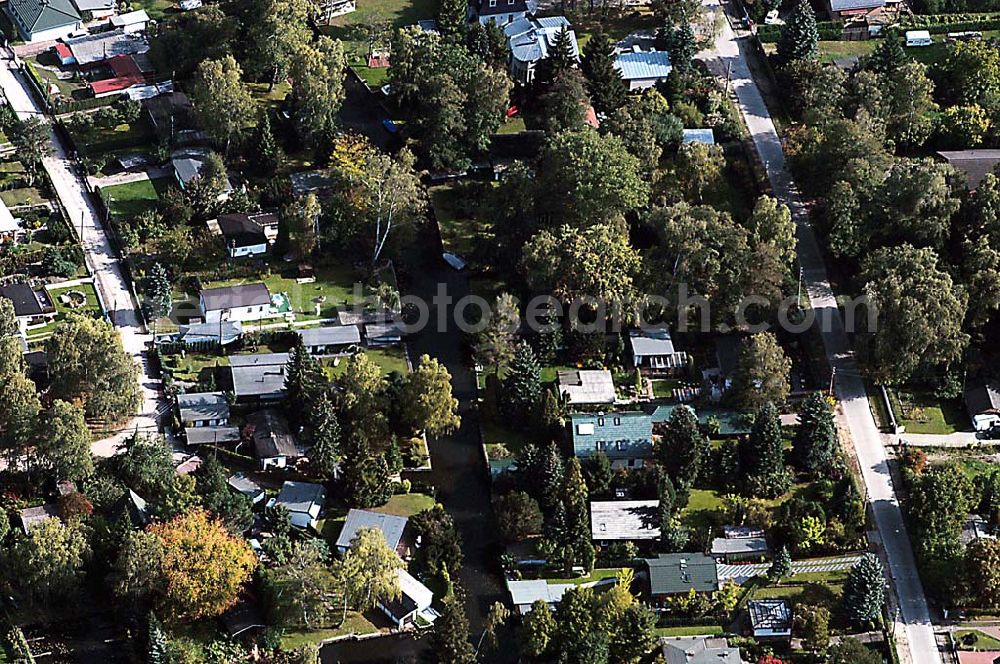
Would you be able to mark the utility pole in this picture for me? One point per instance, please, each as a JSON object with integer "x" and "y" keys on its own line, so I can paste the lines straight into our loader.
{"x": 833, "y": 375}
{"x": 798, "y": 298}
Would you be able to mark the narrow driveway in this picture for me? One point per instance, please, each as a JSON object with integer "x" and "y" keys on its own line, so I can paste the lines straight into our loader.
{"x": 916, "y": 643}
{"x": 116, "y": 298}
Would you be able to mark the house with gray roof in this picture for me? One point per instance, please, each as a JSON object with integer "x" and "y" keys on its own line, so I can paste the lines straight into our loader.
{"x": 303, "y": 500}
{"x": 842, "y": 10}
{"x": 643, "y": 69}
{"x": 330, "y": 339}
{"x": 523, "y": 594}
{"x": 974, "y": 163}
{"x": 258, "y": 378}
{"x": 44, "y": 20}
{"x": 243, "y": 302}
{"x": 698, "y": 650}
{"x": 679, "y": 573}
{"x": 740, "y": 549}
{"x": 501, "y": 12}
{"x": 626, "y": 438}
{"x": 624, "y": 520}
{"x": 653, "y": 351}
{"x": 222, "y": 333}
{"x": 274, "y": 444}
{"x": 99, "y": 9}
{"x": 245, "y": 486}
{"x": 530, "y": 41}
{"x": 393, "y": 529}
{"x": 93, "y": 48}
{"x": 386, "y": 333}
{"x": 217, "y": 435}
{"x": 414, "y": 602}
{"x": 203, "y": 409}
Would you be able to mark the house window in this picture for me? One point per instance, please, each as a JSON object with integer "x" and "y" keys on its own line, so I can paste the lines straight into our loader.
{"x": 620, "y": 444}
{"x": 493, "y": 3}
{"x": 618, "y": 421}
{"x": 600, "y": 421}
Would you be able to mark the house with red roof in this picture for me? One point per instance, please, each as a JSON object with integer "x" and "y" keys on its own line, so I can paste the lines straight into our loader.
{"x": 125, "y": 73}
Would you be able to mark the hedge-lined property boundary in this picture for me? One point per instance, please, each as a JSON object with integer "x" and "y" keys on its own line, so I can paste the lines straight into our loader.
{"x": 933, "y": 23}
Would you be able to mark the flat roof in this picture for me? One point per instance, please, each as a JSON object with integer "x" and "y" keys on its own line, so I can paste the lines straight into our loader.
{"x": 333, "y": 335}
{"x": 202, "y": 406}
{"x": 587, "y": 386}
{"x": 242, "y": 295}
{"x": 625, "y": 519}
{"x": 211, "y": 435}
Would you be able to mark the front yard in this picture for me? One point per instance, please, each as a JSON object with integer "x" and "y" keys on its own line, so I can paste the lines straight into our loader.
{"x": 128, "y": 200}
{"x": 356, "y": 623}
{"x": 922, "y": 412}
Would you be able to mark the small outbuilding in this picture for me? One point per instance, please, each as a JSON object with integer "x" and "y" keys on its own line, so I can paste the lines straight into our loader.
{"x": 770, "y": 618}
{"x": 303, "y": 500}
{"x": 624, "y": 520}
{"x": 586, "y": 386}
{"x": 393, "y": 529}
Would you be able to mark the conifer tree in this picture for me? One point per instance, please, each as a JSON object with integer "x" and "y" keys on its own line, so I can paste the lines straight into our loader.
{"x": 799, "y": 37}
{"x": 560, "y": 58}
{"x": 682, "y": 448}
{"x": 158, "y": 652}
{"x": 451, "y": 18}
{"x": 679, "y": 43}
{"x": 667, "y": 502}
{"x": 604, "y": 81}
{"x": 814, "y": 445}
{"x": 323, "y": 434}
{"x": 522, "y": 386}
{"x": 888, "y": 56}
{"x": 267, "y": 155}
{"x": 864, "y": 591}
{"x": 450, "y": 639}
{"x": 304, "y": 379}
{"x": 762, "y": 456}
{"x": 781, "y": 567}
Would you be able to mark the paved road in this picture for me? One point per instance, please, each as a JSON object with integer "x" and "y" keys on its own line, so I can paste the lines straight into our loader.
{"x": 916, "y": 642}
{"x": 101, "y": 258}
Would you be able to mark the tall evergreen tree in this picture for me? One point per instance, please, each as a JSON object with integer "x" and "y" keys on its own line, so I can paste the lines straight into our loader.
{"x": 266, "y": 152}
{"x": 604, "y": 81}
{"x": 304, "y": 380}
{"x": 781, "y": 567}
{"x": 668, "y": 498}
{"x": 322, "y": 434}
{"x": 815, "y": 442}
{"x": 560, "y": 58}
{"x": 450, "y": 639}
{"x": 679, "y": 42}
{"x": 157, "y": 647}
{"x": 156, "y": 288}
{"x": 489, "y": 43}
{"x": 864, "y": 591}
{"x": 551, "y": 473}
{"x": 682, "y": 449}
{"x": 564, "y": 102}
{"x": 888, "y": 56}
{"x": 522, "y": 386}
{"x": 451, "y": 18}
{"x": 799, "y": 37}
{"x": 762, "y": 456}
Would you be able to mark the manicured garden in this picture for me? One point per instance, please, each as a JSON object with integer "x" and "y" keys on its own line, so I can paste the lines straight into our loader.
{"x": 132, "y": 198}
{"x": 389, "y": 358}
{"x": 922, "y": 412}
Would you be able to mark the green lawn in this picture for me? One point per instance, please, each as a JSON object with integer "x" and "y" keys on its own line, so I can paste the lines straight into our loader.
{"x": 982, "y": 641}
{"x": 922, "y": 412}
{"x": 350, "y": 28}
{"x": 25, "y": 196}
{"x": 98, "y": 140}
{"x": 695, "y": 630}
{"x": 390, "y": 358}
{"x": 835, "y": 50}
{"x": 512, "y": 126}
{"x": 701, "y": 509}
{"x": 156, "y": 9}
{"x": 406, "y": 504}
{"x": 128, "y": 200}
{"x": 356, "y": 623}
{"x": 194, "y": 367}
{"x": 90, "y": 305}
{"x": 460, "y": 233}
{"x": 375, "y": 77}
{"x": 596, "y": 575}
{"x": 494, "y": 433}
{"x": 817, "y": 588}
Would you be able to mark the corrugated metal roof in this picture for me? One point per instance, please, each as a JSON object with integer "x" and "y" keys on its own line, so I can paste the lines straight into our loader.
{"x": 849, "y": 5}
{"x": 643, "y": 65}
{"x": 619, "y": 435}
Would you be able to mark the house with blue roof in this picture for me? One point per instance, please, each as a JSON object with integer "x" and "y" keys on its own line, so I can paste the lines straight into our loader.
{"x": 731, "y": 422}
{"x": 703, "y": 135}
{"x": 530, "y": 41}
{"x": 643, "y": 69}
{"x": 626, "y": 438}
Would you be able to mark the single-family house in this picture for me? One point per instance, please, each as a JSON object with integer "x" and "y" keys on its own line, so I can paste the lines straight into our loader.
{"x": 974, "y": 163}
{"x": 982, "y": 401}
{"x": 31, "y": 517}
{"x": 698, "y": 650}
{"x": 92, "y": 49}
{"x": 770, "y": 618}
{"x": 740, "y": 543}
{"x": 501, "y": 12}
{"x": 32, "y": 306}
{"x": 626, "y": 438}
{"x": 245, "y": 486}
{"x": 44, "y": 20}
{"x": 331, "y": 9}
{"x": 274, "y": 444}
{"x": 236, "y": 303}
{"x": 212, "y": 435}
{"x": 245, "y": 234}
{"x": 126, "y": 74}
{"x": 97, "y": 9}
{"x": 384, "y": 333}
{"x": 643, "y": 69}
{"x": 704, "y": 135}
{"x": 131, "y": 22}
{"x": 173, "y": 118}
{"x": 524, "y": 594}
{"x": 653, "y": 351}
{"x": 393, "y": 529}
{"x": 624, "y": 520}
{"x": 586, "y": 387}
{"x": 303, "y": 500}
{"x": 258, "y": 378}
{"x": 724, "y": 422}
{"x": 530, "y": 40}
{"x": 187, "y": 166}
{"x": 843, "y": 10}
{"x": 223, "y": 333}
{"x": 678, "y": 573}
{"x": 203, "y": 409}
{"x": 330, "y": 339}
{"x": 414, "y": 601}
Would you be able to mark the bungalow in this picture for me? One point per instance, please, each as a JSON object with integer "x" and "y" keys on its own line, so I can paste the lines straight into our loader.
{"x": 237, "y": 303}
{"x": 626, "y": 438}
{"x": 679, "y": 573}
{"x": 384, "y": 334}
{"x": 303, "y": 500}
{"x": 244, "y": 234}
{"x": 529, "y": 41}
{"x": 258, "y": 378}
{"x": 98, "y": 9}
{"x": 222, "y": 333}
{"x": 173, "y": 118}
{"x": 91, "y": 49}
{"x": 982, "y": 400}
{"x": 188, "y": 165}
{"x": 740, "y": 544}
{"x": 125, "y": 74}
{"x": 245, "y": 486}
{"x": 212, "y": 435}
{"x": 843, "y": 10}
{"x": 974, "y": 163}
{"x": 273, "y": 441}
{"x": 699, "y": 650}
{"x": 414, "y": 602}
{"x": 131, "y": 22}
{"x": 624, "y": 520}
{"x": 770, "y": 618}
{"x": 203, "y": 409}
{"x": 643, "y": 69}
{"x": 393, "y": 529}
{"x": 44, "y": 20}
{"x": 524, "y": 594}
{"x": 31, "y": 306}
{"x": 501, "y": 12}
{"x": 331, "y": 339}
{"x": 586, "y": 386}
{"x": 653, "y": 350}
{"x": 31, "y": 517}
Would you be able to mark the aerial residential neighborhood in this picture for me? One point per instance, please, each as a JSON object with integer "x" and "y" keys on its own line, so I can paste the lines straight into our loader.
{"x": 513, "y": 331}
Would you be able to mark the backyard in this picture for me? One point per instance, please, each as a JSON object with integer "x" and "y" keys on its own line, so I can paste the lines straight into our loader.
{"x": 389, "y": 358}
{"x": 356, "y": 623}
{"x": 813, "y": 588}
{"x": 922, "y": 412}
{"x": 128, "y": 200}
{"x": 22, "y": 196}
{"x": 352, "y": 28}
{"x": 97, "y": 140}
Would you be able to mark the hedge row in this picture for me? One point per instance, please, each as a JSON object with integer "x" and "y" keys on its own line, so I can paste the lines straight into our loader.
{"x": 828, "y": 31}
{"x": 941, "y": 28}
{"x": 934, "y": 23}
{"x": 927, "y": 20}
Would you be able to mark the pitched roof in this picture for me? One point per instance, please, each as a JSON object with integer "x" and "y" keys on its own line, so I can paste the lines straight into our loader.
{"x": 258, "y": 380}
{"x": 202, "y": 406}
{"x": 301, "y": 496}
{"x": 482, "y": 7}
{"x": 228, "y": 297}
{"x": 699, "y": 650}
{"x": 625, "y": 519}
{"x": 850, "y": 5}
{"x": 413, "y": 595}
{"x": 126, "y": 74}
{"x": 88, "y": 49}
{"x": 32, "y": 516}
{"x": 983, "y": 398}
{"x": 392, "y": 527}
{"x": 974, "y": 163}
{"x": 626, "y": 435}
{"x": 272, "y": 437}
{"x": 333, "y": 335}
{"x": 305, "y": 182}
{"x": 731, "y": 422}
{"x": 94, "y": 5}
{"x": 244, "y": 485}
{"x": 587, "y": 386}
{"x": 675, "y": 573}
{"x": 528, "y": 592}
{"x": 643, "y": 65}
{"x": 651, "y": 341}
{"x": 530, "y": 39}
{"x": 772, "y": 614}
{"x": 211, "y": 435}
{"x": 40, "y": 15}
{"x": 240, "y": 230}
{"x": 27, "y": 301}
{"x": 230, "y": 331}
{"x": 259, "y": 360}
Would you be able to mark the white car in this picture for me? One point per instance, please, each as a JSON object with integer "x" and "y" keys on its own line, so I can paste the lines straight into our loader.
{"x": 772, "y": 18}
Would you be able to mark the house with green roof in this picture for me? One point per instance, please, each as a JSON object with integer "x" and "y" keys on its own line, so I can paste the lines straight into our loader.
{"x": 44, "y": 20}
{"x": 626, "y": 438}
{"x": 680, "y": 573}
{"x": 731, "y": 423}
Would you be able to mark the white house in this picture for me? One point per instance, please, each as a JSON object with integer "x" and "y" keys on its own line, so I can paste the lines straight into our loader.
{"x": 203, "y": 409}
{"x": 653, "y": 350}
{"x": 414, "y": 601}
{"x": 131, "y": 22}
{"x": 530, "y": 41}
{"x": 303, "y": 500}
{"x": 524, "y": 594}
{"x": 330, "y": 339}
{"x": 244, "y": 234}
{"x": 245, "y": 302}
{"x": 643, "y": 69}
{"x": 44, "y": 20}
{"x": 273, "y": 441}
{"x": 501, "y": 12}
{"x": 770, "y": 618}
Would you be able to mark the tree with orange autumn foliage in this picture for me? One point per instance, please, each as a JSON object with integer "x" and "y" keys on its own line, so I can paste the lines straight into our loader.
{"x": 204, "y": 565}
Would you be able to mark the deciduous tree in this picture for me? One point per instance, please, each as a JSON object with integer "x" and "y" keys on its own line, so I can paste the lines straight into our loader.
{"x": 367, "y": 573}
{"x": 762, "y": 372}
{"x": 427, "y": 401}
{"x": 299, "y": 588}
{"x": 222, "y": 100}
{"x": 48, "y": 564}
{"x": 518, "y": 516}
{"x": 63, "y": 442}
{"x": 317, "y": 89}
